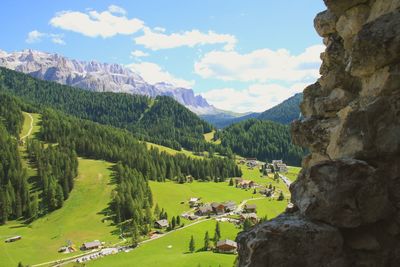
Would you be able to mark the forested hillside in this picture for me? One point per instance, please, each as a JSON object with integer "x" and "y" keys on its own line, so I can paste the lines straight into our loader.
{"x": 285, "y": 112}
{"x": 161, "y": 120}
{"x": 265, "y": 140}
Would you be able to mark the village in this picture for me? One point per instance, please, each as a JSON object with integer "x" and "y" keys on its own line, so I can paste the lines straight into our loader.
{"x": 241, "y": 215}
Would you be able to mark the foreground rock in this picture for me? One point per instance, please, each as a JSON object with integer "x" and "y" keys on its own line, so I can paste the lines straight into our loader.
{"x": 348, "y": 193}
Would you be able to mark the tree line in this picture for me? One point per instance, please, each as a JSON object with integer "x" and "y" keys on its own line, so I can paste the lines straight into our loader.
{"x": 57, "y": 166}
{"x": 265, "y": 140}
{"x": 162, "y": 120}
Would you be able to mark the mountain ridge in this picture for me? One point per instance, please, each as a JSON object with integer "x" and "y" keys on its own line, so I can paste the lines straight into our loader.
{"x": 97, "y": 76}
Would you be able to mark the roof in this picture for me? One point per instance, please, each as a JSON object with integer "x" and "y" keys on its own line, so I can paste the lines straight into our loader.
{"x": 205, "y": 208}
{"x": 162, "y": 222}
{"x": 92, "y": 244}
{"x": 250, "y": 206}
{"x": 193, "y": 199}
{"x": 229, "y": 204}
{"x": 227, "y": 242}
{"x": 249, "y": 215}
{"x": 216, "y": 204}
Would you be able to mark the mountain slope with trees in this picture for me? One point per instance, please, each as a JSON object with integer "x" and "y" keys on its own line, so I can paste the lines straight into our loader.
{"x": 265, "y": 140}
{"x": 139, "y": 114}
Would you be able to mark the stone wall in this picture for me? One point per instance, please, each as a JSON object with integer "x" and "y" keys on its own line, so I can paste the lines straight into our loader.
{"x": 347, "y": 197}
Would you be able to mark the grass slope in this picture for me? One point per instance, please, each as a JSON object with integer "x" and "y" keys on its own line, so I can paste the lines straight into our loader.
{"x": 292, "y": 173}
{"x": 78, "y": 220}
{"x": 159, "y": 253}
{"x": 172, "y": 151}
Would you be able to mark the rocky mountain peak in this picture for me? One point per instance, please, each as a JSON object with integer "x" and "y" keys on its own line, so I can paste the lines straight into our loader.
{"x": 97, "y": 76}
{"x": 346, "y": 199}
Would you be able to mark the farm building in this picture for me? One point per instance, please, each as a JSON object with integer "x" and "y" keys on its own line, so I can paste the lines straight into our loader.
{"x": 91, "y": 245}
{"x": 204, "y": 210}
{"x": 226, "y": 246}
{"x": 229, "y": 206}
{"x": 161, "y": 224}
{"x": 250, "y": 208}
{"x": 251, "y": 216}
{"x": 218, "y": 208}
{"x": 245, "y": 184}
{"x": 13, "y": 239}
{"x": 279, "y": 166}
{"x": 194, "y": 202}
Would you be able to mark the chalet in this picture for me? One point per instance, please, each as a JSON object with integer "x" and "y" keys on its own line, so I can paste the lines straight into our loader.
{"x": 251, "y": 216}
{"x": 161, "y": 224}
{"x": 250, "y": 208}
{"x": 279, "y": 166}
{"x": 246, "y": 184}
{"x": 266, "y": 191}
{"x": 226, "y": 246}
{"x": 204, "y": 210}
{"x": 91, "y": 245}
{"x": 229, "y": 206}
{"x": 194, "y": 202}
{"x": 13, "y": 239}
{"x": 218, "y": 208}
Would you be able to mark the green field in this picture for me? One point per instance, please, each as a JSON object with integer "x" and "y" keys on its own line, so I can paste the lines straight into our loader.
{"x": 173, "y": 250}
{"x": 78, "y": 220}
{"x": 292, "y": 173}
{"x": 172, "y": 151}
{"x": 209, "y": 138}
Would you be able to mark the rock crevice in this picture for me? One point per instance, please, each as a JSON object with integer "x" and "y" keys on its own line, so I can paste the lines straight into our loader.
{"x": 347, "y": 196}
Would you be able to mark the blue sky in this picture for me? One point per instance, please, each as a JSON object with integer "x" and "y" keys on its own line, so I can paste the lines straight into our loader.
{"x": 240, "y": 55}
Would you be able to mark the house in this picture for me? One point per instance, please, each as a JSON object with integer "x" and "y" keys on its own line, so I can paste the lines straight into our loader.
{"x": 279, "y": 166}
{"x": 194, "y": 202}
{"x": 245, "y": 184}
{"x": 161, "y": 224}
{"x": 226, "y": 246}
{"x": 229, "y": 206}
{"x": 204, "y": 210}
{"x": 266, "y": 191}
{"x": 250, "y": 208}
{"x": 218, "y": 208}
{"x": 91, "y": 245}
{"x": 251, "y": 216}
{"x": 193, "y": 217}
{"x": 13, "y": 239}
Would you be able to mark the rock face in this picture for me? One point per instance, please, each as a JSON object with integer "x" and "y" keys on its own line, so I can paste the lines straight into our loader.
{"x": 99, "y": 77}
{"x": 347, "y": 197}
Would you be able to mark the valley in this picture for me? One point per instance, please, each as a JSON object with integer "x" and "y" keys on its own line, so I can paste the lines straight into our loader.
{"x": 82, "y": 217}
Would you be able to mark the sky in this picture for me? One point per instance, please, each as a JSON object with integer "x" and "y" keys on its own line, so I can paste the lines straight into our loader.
{"x": 240, "y": 55}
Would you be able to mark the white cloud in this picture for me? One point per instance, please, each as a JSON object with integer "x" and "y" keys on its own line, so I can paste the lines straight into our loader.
{"x": 34, "y": 37}
{"x": 256, "y": 98}
{"x": 261, "y": 65}
{"x": 93, "y": 24}
{"x": 116, "y": 9}
{"x": 153, "y": 73}
{"x": 157, "y": 40}
{"x": 139, "y": 53}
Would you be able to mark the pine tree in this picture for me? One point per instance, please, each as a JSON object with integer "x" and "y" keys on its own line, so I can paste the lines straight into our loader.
{"x": 178, "y": 220}
{"x": 173, "y": 223}
{"x": 157, "y": 211}
{"x": 231, "y": 182}
{"x": 206, "y": 241}
{"x": 135, "y": 234}
{"x": 217, "y": 231}
{"x": 191, "y": 245}
{"x": 281, "y": 196}
{"x": 247, "y": 224}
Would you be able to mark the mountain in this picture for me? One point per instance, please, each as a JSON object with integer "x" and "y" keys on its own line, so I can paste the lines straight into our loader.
{"x": 285, "y": 112}
{"x": 265, "y": 140}
{"x": 161, "y": 120}
{"x": 98, "y": 77}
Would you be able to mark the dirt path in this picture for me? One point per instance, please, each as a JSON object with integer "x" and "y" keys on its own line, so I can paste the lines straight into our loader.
{"x": 30, "y": 129}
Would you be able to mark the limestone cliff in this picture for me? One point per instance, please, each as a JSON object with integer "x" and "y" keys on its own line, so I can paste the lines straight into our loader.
{"x": 347, "y": 197}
